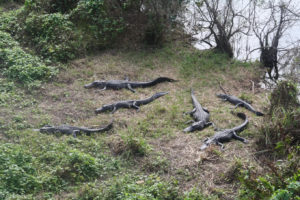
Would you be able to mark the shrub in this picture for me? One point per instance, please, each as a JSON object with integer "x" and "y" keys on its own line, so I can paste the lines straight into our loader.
{"x": 19, "y": 65}
{"x": 284, "y": 96}
{"x": 62, "y": 6}
{"x": 8, "y": 1}
{"x": 50, "y": 6}
{"x": 155, "y": 30}
{"x": 269, "y": 187}
{"x": 52, "y": 35}
{"x": 135, "y": 146}
{"x": 281, "y": 128}
{"x": 79, "y": 166}
{"x": 97, "y": 23}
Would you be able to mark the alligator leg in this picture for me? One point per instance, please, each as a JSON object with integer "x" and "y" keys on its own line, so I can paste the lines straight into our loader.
{"x": 220, "y": 144}
{"x": 135, "y": 106}
{"x": 190, "y": 121}
{"x": 103, "y": 88}
{"x": 215, "y": 127}
{"x": 209, "y": 124}
{"x": 237, "y": 105}
{"x": 189, "y": 113}
{"x": 235, "y": 136}
{"x": 75, "y": 132}
{"x": 205, "y": 109}
{"x": 114, "y": 110}
{"x": 130, "y": 88}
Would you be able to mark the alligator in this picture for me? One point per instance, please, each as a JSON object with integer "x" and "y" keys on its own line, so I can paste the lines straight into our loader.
{"x": 120, "y": 84}
{"x": 227, "y": 134}
{"x": 199, "y": 114}
{"x": 129, "y": 104}
{"x": 73, "y": 130}
{"x": 238, "y": 102}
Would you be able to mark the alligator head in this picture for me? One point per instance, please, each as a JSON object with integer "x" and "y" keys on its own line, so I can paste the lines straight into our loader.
{"x": 100, "y": 84}
{"x": 104, "y": 109}
{"x": 206, "y": 144}
{"x": 47, "y": 129}
{"x": 222, "y": 96}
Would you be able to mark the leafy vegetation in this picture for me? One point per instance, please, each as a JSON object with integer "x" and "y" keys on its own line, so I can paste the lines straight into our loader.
{"x": 280, "y": 135}
{"x": 146, "y": 155}
{"x": 52, "y": 35}
{"x": 21, "y": 66}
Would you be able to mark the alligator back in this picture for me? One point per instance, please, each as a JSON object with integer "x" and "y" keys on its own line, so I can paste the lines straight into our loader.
{"x": 235, "y": 100}
{"x": 199, "y": 114}
{"x": 106, "y": 128}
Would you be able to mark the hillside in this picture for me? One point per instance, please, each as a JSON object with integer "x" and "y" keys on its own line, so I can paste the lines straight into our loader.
{"x": 146, "y": 146}
{"x": 47, "y": 55}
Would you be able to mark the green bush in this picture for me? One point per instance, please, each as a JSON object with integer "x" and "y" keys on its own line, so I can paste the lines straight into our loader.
{"x": 269, "y": 187}
{"x": 155, "y": 30}
{"x": 19, "y": 65}
{"x": 9, "y": 22}
{"x": 135, "y": 146}
{"x": 284, "y": 96}
{"x": 52, "y": 36}
{"x": 280, "y": 130}
{"x": 79, "y": 166}
{"x": 97, "y": 23}
{"x": 63, "y": 6}
{"x": 50, "y": 6}
{"x": 8, "y": 1}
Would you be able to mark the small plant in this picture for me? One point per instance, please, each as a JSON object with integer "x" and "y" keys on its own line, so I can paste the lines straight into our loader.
{"x": 79, "y": 167}
{"x": 136, "y": 146}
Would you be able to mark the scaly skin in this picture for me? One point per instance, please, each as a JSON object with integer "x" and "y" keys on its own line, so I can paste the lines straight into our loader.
{"x": 238, "y": 102}
{"x": 200, "y": 116}
{"x": 73, "y": 130}
{"x": 128, "y": 104}
{"x": 120, "y": 84}
{"x": 227, "y": 134}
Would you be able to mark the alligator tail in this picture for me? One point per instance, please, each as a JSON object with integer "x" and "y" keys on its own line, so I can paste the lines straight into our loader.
{"x": 158, "y": 80}
{"x": 159, "y": 94}
{"x": 244, "y": 124}
{"x": 259, "y": 113}
{"x": 242, "y": 116}
{"x": 108, "y": 127}
{"x": 188, "y": 129}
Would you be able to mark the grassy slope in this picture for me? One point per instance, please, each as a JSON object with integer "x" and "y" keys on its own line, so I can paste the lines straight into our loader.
{"x": 156, "y": 129}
